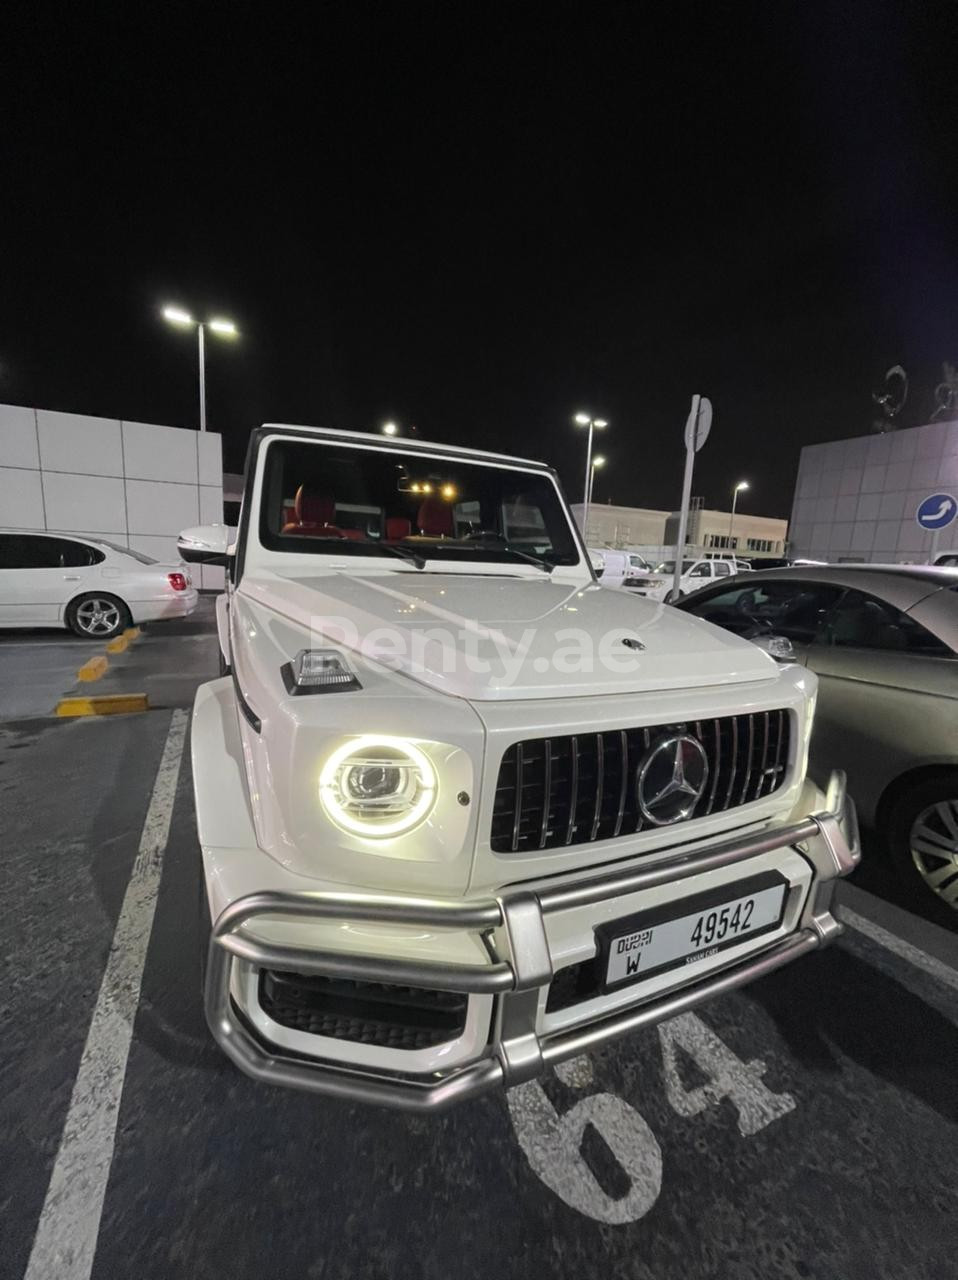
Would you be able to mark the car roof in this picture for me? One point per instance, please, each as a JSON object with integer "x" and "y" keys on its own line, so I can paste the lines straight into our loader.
{"x": 51, "y": 533}
{"x": 900, "y": 584}
{"x": 394, "y": 442}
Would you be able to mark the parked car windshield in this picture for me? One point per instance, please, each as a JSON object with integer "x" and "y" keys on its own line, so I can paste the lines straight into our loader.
{"x": 325, "y": 498}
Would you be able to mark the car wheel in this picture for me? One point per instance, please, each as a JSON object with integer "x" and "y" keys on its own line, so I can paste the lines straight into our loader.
{"x": 97, "y": 616}
{"x": 923, "y": 836}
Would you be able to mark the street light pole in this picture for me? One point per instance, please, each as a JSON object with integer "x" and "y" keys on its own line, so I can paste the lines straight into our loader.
{"x": 225, "y": 328}
{"x": 586, "y": 420}
{"x": 202, "y": 346}
{"x": 597, "y": 462}
{"x": 742, "y": 485}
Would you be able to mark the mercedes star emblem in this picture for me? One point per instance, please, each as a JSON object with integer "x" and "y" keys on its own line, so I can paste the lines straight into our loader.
{"x": 671, "y": 779}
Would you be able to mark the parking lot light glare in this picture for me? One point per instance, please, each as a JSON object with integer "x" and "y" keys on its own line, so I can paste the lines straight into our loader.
{"x": 225, "y": 327}
{"x": 582, "y": 419}
{"x": 390, "y": 429}
{"x": 176, "y": 315}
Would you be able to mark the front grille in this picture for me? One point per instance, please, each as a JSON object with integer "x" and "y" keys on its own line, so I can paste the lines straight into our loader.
{"x": 378, "y": 1013}
{"x": 553, "y": 792}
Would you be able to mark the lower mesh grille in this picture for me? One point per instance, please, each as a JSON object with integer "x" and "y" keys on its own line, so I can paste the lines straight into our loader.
{"x": 376, "y": 1013}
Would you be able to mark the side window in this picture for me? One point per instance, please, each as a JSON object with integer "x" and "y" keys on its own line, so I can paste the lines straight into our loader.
{"x": 701, "y": 570}
{"x": 61, "y": 553}
{"x": 786, "y": 608}
{"x": 73, "y": 555}
{"x": 722, "y": 570}
{"x": 859, "y": 621}
{"x": 21, "y": 551}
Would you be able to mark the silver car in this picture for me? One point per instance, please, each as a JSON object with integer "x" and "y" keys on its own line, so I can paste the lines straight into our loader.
{"x": 884, "y": 643}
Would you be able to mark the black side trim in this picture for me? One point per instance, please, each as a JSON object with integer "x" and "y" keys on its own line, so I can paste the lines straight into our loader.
{"x": 249, "y": 715}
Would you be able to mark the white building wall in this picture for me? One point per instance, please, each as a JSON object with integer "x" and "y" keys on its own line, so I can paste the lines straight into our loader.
{"x": 131, "y": 482}
{"x": 856, "y": 499}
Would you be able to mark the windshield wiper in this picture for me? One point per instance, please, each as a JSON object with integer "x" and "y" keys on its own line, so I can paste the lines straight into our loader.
{"x": 404, "y": 553}
{"x": 500, "y": 543}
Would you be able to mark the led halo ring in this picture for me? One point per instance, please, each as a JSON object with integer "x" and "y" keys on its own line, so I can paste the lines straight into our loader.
{"x": 330, "y": 796}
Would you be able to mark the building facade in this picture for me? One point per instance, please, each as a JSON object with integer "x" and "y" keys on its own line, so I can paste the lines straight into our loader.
{"x": 133, "y": 483}
{"x": 655, "y": 533}
{"x": 855, "y": 499}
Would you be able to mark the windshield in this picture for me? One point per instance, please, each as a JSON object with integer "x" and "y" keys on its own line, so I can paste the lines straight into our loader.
{"x": 324, "y": 499}
{"x": 668, "y": 566}
{"x": 125, "y": 551}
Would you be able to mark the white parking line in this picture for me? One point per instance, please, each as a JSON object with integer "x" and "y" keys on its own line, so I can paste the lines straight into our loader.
{"x": 914, "y": 955}
{"x": 70, "y": 1220}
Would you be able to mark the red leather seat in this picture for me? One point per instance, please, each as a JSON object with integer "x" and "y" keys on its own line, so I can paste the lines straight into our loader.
{"x": 314, "y": 513}
{"x": 397, "y": 528}
{"x": 435, "y": 519}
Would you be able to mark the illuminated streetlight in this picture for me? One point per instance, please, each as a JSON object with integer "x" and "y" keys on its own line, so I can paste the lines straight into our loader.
{"x": 739, "y": 488}
{"x": 585, "y": 420}
{"x": 390, "y": 429}
{"x": 225, "y": 328}
{"x": 597, "y": 461}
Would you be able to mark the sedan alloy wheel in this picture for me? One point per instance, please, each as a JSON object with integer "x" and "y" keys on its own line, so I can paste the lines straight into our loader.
{"x": 934, "y": 848}
{"x": 97, "y": 617}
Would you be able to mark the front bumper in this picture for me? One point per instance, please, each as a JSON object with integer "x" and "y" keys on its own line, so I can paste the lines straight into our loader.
{"x": 513, "y": 929}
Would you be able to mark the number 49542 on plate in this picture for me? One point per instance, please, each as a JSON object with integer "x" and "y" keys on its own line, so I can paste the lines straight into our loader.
{"x": 686, "y": 930}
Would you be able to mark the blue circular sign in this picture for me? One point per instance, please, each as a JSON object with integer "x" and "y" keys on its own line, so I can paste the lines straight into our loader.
{"x": 937, "y": 511}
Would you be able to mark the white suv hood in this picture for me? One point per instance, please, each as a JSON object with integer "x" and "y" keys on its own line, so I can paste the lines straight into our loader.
{"x": 485, "y": 637}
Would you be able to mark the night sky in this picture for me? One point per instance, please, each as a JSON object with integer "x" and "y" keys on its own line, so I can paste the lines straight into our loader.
{"x": 479, "y": 220}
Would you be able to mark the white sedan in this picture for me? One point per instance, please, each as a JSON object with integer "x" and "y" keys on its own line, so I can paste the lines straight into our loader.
{"x": 94, "y": 587}
{"x": 695, "y": 574}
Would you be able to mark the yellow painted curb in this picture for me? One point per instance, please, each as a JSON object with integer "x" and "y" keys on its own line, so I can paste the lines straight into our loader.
{"x": 132, "y": 633}
{"x": 104, "y": 704}
{"x": 93, "y": 669}
{"x": 118, "y": 645}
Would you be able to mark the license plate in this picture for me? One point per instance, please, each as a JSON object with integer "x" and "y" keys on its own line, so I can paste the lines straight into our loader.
{"x": 677, "y": 934}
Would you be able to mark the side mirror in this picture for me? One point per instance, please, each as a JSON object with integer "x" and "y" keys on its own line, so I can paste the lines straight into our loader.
{"x": 777, "y": 647}
{"x": 207, "y": 544}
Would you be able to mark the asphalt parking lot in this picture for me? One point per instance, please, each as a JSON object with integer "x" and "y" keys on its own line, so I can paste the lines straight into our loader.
{"x": 803, "y": 1127}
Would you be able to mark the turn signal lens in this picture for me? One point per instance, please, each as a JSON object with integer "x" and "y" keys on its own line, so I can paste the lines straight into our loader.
{"x": 378, "y": 787}
{"x": 321, "y": 669}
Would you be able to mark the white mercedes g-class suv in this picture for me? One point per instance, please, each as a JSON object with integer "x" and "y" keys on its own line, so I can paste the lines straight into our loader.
{"x": 463, "y": 812}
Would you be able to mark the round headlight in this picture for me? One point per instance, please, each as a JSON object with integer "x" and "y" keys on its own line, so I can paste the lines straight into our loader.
{"x": 378, "y": 786}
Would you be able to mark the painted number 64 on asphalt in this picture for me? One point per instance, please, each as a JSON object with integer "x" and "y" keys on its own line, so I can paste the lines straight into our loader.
{"x": 552, "y": 1141}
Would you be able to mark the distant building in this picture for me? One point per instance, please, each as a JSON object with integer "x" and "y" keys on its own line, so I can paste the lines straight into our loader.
{"x": 622, "y": 526}
{"x": 752, "y": 536}
{"x": 655, "y": 532}
{"x": 856, "y": 499}
{"x": 134, "y": 483}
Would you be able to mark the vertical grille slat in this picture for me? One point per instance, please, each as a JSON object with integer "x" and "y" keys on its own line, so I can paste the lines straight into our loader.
{"x": 517, "y": 802}
{"x": 748, "y": 759}
{"x": 599, "y": 783}
{"x": 715, "y": 764}
{"x": 546, "y": 792}
{"x": 760, "y": 781}
{"x": 623, "y": 779}
{"x": 555, "y": 792}
{"x": 573, "y": 787}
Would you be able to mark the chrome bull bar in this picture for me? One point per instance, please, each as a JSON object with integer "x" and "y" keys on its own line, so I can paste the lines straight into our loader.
{"x": 511, "y": 927}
